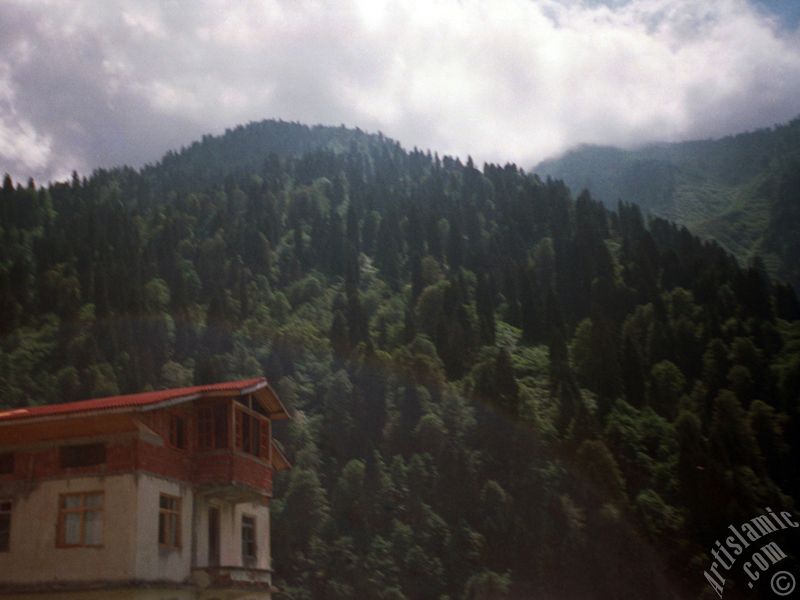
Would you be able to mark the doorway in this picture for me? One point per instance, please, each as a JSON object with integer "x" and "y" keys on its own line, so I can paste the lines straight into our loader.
{"x": 213, "y": 536}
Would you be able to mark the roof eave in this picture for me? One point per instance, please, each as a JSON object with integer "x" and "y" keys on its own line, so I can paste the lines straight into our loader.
{"x": 17, "y": 420}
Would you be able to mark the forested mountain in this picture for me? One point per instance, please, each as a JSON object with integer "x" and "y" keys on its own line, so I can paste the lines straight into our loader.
{"x": 499, "y": 390}
{"x": 743, "y": 190}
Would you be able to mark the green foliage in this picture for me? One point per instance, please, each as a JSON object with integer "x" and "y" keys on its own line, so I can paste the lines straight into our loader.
{"x": 658, "y": 517}
{"x": 487, "y": 585}
{"x": 305, "y": 510}
{"x": 667, "y": 384}
{"x": 598, "y": 474}
{"x": 730, "y": 435}
{"x": 492, "y": 383}
{"x": 740, "y": 190}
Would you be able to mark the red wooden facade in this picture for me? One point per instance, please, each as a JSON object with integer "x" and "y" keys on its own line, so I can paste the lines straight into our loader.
{"x": 215, "y": 437}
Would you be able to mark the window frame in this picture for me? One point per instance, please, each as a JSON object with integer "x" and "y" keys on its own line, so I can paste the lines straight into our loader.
{"x": 7, "y": 463}
{"x": 212, "y": 430}
{"x": 253, "y": 527}
{"x": 249, "y": 441}
{"x": 82, "y": 510}
{"x": 167, "y": 517}
{"x": 252, "y": 403}
{"x": 6, "y": 510}
{"x": 177, "y": 432}
{"x": 259, "y": 432}
{"x": 74, "y": 449}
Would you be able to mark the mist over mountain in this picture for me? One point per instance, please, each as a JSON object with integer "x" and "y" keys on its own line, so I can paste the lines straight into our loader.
{"x": 89, "y": 84}
{"x": 500, "y": 389}
{"x": 742, "y": 191}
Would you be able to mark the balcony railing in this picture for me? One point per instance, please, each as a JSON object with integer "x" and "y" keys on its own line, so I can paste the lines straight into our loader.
{"x": 232, "y": 578}
{"x": 221, "y": 472}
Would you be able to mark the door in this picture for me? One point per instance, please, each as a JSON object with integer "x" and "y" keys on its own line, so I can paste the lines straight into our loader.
{"x": 213, "y": 536}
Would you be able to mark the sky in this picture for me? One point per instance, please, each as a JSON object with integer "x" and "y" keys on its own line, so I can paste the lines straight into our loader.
{"x": 90, "y": 84}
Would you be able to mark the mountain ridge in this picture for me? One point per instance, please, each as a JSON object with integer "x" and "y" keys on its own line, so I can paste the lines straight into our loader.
{"x": 495, "y": 381}
{"x": 732, "y": 189}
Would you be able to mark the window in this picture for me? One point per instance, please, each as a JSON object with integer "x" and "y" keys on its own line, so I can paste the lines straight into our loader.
{"x": 252, "y": 433}
{"x": 80, "y": 520}
{"x": 177, "y": 432}
{"x": 212, "y": 428}
{"x": 5, "y": 525}
{"x": 169, "y": 521}
{"x": 6, "y": 463}
{"x": 250, "y": 402}
{"x": 86, "y": 455}
{"x": 248, "y": 537}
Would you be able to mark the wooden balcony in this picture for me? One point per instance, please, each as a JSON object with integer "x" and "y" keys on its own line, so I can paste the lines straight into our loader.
{"x": 231, "y": 475}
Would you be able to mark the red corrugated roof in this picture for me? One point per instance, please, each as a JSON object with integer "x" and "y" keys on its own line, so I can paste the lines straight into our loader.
{"x": 127, "y": 401}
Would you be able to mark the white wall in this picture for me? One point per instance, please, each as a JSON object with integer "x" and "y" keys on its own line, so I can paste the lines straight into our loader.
{"x": 230, "y": 517}
{"x": 261, "y": 514}
{"x": 130, "y": 548}
{"x": 33, "y": 555}
{"x": 153, "y": 562}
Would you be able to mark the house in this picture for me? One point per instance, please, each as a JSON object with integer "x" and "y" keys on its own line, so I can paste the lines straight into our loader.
{"x": 161, "y": 495}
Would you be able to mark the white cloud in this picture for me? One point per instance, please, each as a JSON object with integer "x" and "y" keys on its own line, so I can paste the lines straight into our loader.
{"x": 20, "y": 145}
{"x": 102, "y": 83}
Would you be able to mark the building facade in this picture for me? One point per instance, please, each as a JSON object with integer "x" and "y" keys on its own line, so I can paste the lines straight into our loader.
{"x": 159, "y": 496}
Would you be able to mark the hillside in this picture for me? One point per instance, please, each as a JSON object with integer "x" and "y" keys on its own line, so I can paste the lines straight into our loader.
{"x": 494, "y": 383}
{"x": 741, "y": 191}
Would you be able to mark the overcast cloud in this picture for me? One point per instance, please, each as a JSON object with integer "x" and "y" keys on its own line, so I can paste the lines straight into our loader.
{"x": 97, "y": 84}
